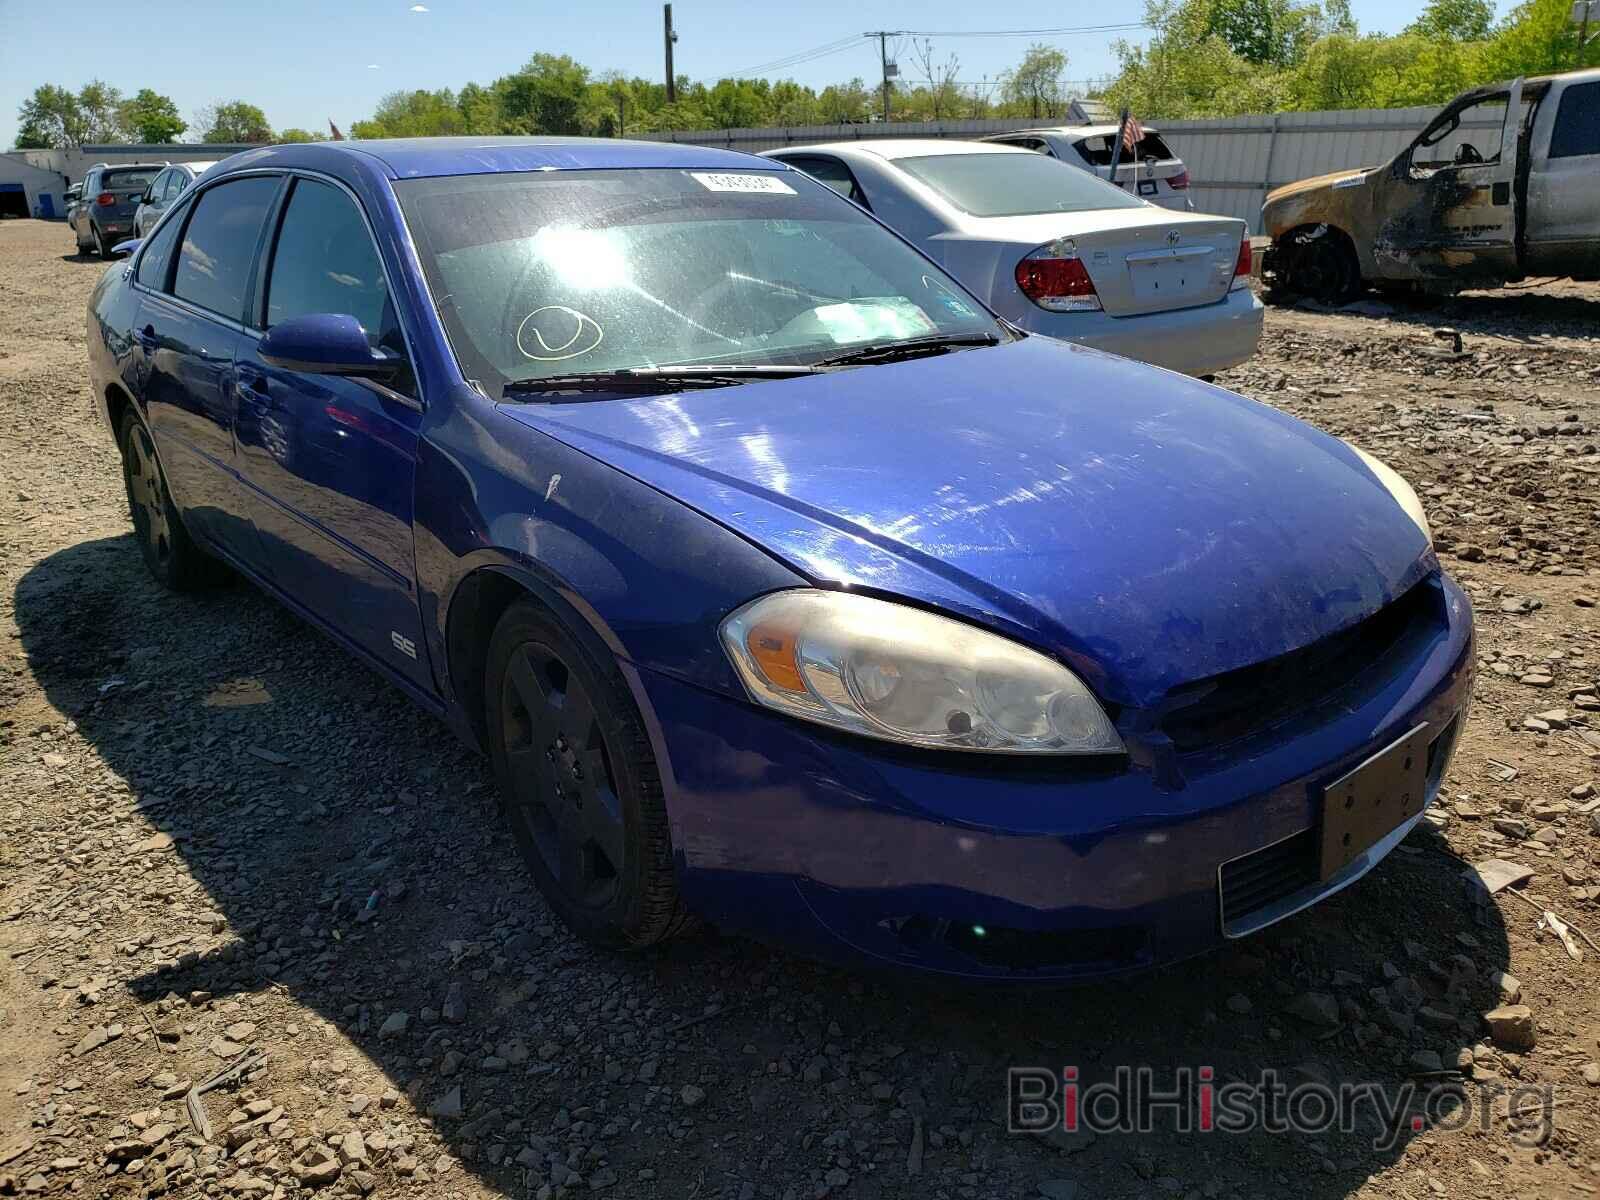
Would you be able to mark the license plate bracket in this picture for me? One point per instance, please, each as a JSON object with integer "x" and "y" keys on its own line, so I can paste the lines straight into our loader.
{"x": 1372, "y": 800}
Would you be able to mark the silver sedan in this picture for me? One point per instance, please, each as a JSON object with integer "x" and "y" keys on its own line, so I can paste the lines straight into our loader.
{"x": 1057, "y": 251}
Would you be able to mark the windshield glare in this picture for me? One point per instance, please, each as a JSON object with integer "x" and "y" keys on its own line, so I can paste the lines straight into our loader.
{"x": 1014, "y": 185}
{"x": 539, "y": 275}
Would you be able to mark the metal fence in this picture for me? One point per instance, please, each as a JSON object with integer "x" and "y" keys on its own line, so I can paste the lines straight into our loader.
{"x": 1233, "y": 162}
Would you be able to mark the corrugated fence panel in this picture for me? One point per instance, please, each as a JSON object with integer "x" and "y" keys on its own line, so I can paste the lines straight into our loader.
{"x": 1233, "y": 162}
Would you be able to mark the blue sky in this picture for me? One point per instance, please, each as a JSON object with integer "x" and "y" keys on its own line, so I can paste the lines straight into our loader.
{"x": 304, "y": 62}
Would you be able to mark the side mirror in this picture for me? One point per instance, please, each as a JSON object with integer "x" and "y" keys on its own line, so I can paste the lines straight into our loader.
{"x": 325, "y": 344}
{"x": 145, "y": 199}
{"x": 125, "y": 249}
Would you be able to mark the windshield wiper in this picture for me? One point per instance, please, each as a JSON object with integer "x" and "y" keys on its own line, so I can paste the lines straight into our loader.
{"x": 916, "y": 347}
{"x": 675, "y": 378}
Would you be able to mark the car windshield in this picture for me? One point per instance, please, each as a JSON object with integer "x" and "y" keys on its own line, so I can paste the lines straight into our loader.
{"x": 1014, "y": 185}
{"x": 545, "y": 274}
{"x": 129, "y": 180}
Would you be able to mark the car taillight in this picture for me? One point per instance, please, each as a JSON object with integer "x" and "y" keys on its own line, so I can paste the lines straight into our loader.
{"x": 1244, "y": 264}
{"x": 1055, "y": 279}
{"x": 1179, "y": 182}
{"x": 105, "y": 198}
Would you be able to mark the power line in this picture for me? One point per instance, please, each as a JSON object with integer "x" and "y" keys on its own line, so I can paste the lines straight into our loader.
{"x": 1005, "y": 33}
{"x": 801, "y": 56}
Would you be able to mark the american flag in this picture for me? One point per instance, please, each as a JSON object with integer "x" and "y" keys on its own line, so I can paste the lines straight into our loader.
{"x": 1132, "y": 133}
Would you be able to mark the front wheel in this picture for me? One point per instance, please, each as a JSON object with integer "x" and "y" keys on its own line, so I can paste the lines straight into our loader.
{"x": 579, "y": 783}
{"x": 173, "y": 558}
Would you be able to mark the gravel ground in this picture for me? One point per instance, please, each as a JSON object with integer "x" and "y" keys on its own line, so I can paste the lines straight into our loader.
{"x": 224, "y": 845}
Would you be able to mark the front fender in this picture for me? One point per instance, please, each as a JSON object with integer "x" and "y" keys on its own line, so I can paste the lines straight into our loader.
{"x": 648, "y": 577}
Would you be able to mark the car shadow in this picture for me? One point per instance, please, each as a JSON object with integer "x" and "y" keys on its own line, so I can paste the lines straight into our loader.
{"x": 349, "y": 857}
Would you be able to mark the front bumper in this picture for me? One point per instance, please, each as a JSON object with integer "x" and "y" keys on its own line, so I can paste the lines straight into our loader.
{"x": 1195, "y": 341}
{"x": 859, "y": 853}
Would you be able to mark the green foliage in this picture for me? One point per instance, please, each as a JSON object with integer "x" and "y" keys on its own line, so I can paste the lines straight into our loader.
{"x": 1454, "y": 20}
{"x": 287, "y": 136}
{"x": 233, "y": 121}
{"x": 1208, "y": 60}
{"x": 51, "y": 118}
{"x": 151, "y": 117}
{"x": 1035, "y": 86}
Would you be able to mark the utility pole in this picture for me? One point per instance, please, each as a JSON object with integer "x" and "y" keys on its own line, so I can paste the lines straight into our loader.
{"x": 671, "y": 36}
{"x": 890, "y": 70}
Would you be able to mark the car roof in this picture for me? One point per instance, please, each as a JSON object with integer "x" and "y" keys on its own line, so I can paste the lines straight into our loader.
{"x": 199, "y": 166}
{"x": 416, "y": 158}
{"x": 1081, "y": 131}
{"x": 893, "y": 148}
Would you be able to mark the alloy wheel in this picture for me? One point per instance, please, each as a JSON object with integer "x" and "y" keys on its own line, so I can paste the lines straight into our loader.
{"x": 564, "y": 792}
{"x": 147, "y": 497}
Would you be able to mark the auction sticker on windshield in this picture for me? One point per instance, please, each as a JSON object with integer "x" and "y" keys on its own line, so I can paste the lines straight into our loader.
{"x": 719, "y": 181}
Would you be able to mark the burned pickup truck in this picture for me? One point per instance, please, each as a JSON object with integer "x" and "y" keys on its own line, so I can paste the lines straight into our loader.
{"x": 1504, "y": 184}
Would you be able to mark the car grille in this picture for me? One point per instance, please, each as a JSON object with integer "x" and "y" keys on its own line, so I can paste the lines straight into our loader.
{"x": 1251, "y": 883}
{"x": 1258, "y": 880}
{"x": 1239, "y": 703}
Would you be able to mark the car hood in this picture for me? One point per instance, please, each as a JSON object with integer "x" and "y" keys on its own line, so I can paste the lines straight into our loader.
{"x": 1148, "y": 528}
{"x": 1317, "y": 183}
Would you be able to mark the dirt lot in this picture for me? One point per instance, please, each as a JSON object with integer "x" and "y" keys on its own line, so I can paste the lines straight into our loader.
{"x": 223, "y": 843}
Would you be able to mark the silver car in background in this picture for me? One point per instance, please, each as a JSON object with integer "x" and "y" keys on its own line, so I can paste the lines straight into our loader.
{"x": 1055, "y": 250}
{"x": 163, "y": 190}
{"x": 1152, "y": 171}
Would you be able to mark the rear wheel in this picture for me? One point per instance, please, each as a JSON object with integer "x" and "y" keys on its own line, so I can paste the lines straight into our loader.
{"x": 579, "y": 783}
{"x": 100, "y": 247}
{"x": 169, "y": 552}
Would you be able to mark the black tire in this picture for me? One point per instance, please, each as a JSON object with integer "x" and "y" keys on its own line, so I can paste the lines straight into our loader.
{"x": 579, "y": 783}
{"x": 1323, "y": 267}
{"x": 100, "y": 246}
{"x": 176, "y": 562}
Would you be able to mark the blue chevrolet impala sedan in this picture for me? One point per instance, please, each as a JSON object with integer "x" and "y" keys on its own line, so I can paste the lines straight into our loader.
{"x": 785, "y": 586}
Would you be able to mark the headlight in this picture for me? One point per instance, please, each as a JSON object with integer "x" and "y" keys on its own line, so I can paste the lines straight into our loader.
{"x": 897, "y": 673}
{"x": 1402, "y": 491}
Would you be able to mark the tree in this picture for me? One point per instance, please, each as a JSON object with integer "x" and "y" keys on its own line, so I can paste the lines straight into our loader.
{"x": 545, "y": 96}
{"x": 100, "y": 104}
{"x": 414, "y": 114}
{"x": 844, "y": 103}
{"x": 287, "y": 136}
{"x": 151, "y": 118}
{"x": 233, "y": 121}
{"x": 943, "y": 94}
{"x": 51, "y": 118}
{"x": 1265, "y": 32}
{"x": 1036, "y": 83}
{"x": 1454, "y": 20}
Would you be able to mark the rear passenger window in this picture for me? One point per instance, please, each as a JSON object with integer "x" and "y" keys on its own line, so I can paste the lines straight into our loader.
{"x": 219, "y": 245}
{"x": 1577, "y": 130}
{"x": 834, "y": 174}
{"x": 325, "y": 261}
{"x": 157, "y": 255}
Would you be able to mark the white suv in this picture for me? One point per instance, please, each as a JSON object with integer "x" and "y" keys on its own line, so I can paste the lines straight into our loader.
{"x": 1152, "y": 171}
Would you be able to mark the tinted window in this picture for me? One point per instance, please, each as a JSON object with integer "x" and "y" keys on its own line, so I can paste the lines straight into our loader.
{"x": 219, "y": 244}
{"x": 325, "y": 261}
{"x": 131, "y": 180}
{"x": 173, "y": 188}
{"x": 1009, "y": 185}
{"x": 1577, "y": 128}
{"x": 157, "y": 256}
{"x": 834, "y": 174}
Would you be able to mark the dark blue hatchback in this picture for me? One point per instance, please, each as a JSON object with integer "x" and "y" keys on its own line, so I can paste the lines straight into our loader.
{"x": 786, "y": 586}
